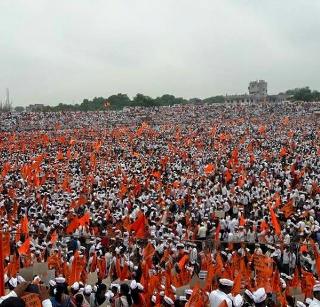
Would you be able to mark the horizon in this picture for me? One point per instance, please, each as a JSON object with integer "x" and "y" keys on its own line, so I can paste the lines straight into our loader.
{"x": 131, "y": 97}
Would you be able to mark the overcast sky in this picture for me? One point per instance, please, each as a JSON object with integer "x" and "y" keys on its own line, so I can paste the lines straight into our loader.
{"x": 54, "y": 51}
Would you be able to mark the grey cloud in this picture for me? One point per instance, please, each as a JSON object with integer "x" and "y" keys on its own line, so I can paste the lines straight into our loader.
{"x": 64, "y": 51}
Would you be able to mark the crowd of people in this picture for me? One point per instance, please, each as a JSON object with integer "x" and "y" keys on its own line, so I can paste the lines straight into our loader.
{"x": 189, "y": 205}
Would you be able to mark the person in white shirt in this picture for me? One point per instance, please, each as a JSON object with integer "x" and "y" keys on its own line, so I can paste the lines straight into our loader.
{"x": 221, "y": 295}
{"x": 260, "y": 297}
{"x": 202, "y": 231}
{"x": 316, "y": 296}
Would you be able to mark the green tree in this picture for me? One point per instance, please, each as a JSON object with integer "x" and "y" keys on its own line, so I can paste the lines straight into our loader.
{"x": 214, "y": 99}
{"x": 19, "y": 109}
{"x": 304, "y": 94}
{"x": 142, "y": 101}
{"x": 119, "y": 101}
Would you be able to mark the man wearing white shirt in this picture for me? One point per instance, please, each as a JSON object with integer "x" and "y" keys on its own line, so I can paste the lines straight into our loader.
{"x": 221, "y": 295}
{"x": 316, "y": 296}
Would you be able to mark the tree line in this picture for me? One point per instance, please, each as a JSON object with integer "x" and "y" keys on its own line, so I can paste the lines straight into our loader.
{"x": 304, "y": 94}
{"x": 119, "y": 101}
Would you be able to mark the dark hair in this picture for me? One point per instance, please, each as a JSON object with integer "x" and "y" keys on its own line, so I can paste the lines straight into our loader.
{"x": 100, "y": 299}
{"x": 60, "y": 290}
{"x": 13, "y": 302}
{"x": 135, "y": 296}
{"x": 51, "y": 290}
{"x": 125, "y": 290}
{"x": 79, "y": 300}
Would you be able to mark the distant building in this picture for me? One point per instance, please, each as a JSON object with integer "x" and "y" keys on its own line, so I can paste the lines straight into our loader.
{"x": 258, "y": 92}
{"x": 258, "y": 88}
{"x": 35, "y": 107}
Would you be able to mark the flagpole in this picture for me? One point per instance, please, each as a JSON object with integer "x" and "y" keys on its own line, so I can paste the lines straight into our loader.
{"x": 1, "y": 266}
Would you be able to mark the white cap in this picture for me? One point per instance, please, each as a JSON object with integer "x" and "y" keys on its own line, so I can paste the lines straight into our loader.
{"x": 259, "y": 295}
{"x": 188, "y": 291}
{"x": 87, "y": 289}
{"x": 13, "y": 282}
{"x": 316, "y": 287}
{"x": 168, "y": 300}
{"x": 115, "y": 285}
{"x": 36, "y": 279}
{"x": 140, "y": 286}
{"x": 308, "y": 300}
{"x": 283, "y": 283}
{"x": 75, "y": 286}
{"x": 109, "y": 294}
{"x": 60, "y": 280}
{"x": 153, "y": 299}
{"x": 133, "y": 285}
{"x": 20, "y": 279}
{"x": 238, "y": 301}
{"x": 226, "y": 282}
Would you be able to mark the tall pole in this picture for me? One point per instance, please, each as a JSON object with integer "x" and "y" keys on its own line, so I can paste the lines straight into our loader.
{"x": 1, "y": 266}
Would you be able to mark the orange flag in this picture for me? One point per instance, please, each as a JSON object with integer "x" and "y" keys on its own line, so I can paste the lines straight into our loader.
{"x": 6, "y": 244}
{"x": 276, "y": 282}
{"x": 288, "y": 209}
{"x": 277, "y": 199}
{"x": 283, "y": 152}
{"x": 198, "y": 298}
{"x": 123, "y": 190}
{"x": 24, "y": 225}
{"x": 209, "y": 169}
{"x": 237, "y": 285}
{"x": 316, "y": 256}
{"x": 24, "y": 248}
{"x": 285, "y": 120}
{"x": 241, "y": 181}
{"x": 72, "y": 226}
{"x": 76, "y": 268}
{"x": 296, "y": 279}
{"x": 148, "y": 253}
{"x": 85, "y": 219}
{"x": 235, "y": 155}
{"x": 59, "y": 156}
{"x": 6, "y": 168}
{"x": 242, "y": 221}
{"x": 139, "y": 226}
{"x": 183, "y": 261}
{"x": 156, "y": 174}
{"x": 262, "y": 129}
{"x": 275, "y": 222}
{"x": 54, "y": 237}
{"x": 228, "y": 176}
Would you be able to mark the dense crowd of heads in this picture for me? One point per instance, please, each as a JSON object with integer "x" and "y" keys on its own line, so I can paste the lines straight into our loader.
{"x": 152, "y": 198}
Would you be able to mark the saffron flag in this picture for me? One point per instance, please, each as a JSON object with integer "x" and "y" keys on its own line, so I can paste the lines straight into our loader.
{"x": 24, "y": 248}
{"x": 275, "y": 222}
{"x": 288, "y": 209}
{"x": 209, "y": 169}
{"x": 24, "y": 225}
{"x": 139, "y": 226}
